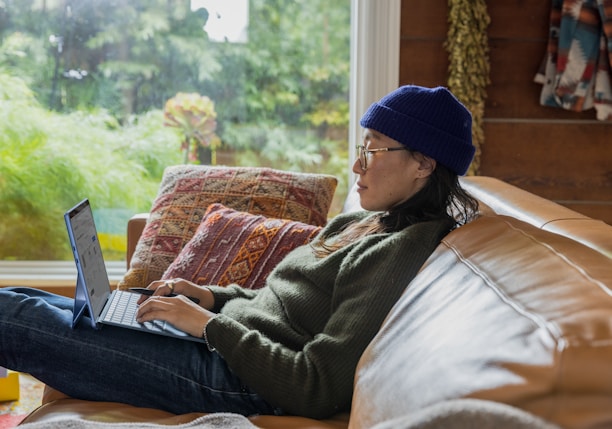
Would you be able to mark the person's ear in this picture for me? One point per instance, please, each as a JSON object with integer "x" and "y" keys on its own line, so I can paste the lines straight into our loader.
{"x": 427, "y": 166}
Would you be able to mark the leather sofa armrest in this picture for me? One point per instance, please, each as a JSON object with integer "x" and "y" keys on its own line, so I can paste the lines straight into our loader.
{"x": 135, "y": 227}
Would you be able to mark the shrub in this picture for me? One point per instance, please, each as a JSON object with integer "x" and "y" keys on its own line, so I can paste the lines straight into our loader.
{"x": 49, "y": 162}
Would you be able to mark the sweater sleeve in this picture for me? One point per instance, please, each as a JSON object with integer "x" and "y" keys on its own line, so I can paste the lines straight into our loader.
{"x": 317, "y": 380}
{"x": 223, "y": 294}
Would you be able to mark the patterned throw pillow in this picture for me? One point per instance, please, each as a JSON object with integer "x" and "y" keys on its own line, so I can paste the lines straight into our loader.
{"x": 237, "y": 247}
{"x": 186, "y": 191}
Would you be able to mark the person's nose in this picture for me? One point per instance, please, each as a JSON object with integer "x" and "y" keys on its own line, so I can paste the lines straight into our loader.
{"x": 357, "y": 167}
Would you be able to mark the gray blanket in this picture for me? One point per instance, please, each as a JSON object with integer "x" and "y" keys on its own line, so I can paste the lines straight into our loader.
{"x": 211, "y": 421}
{"x": 455, "y": 414}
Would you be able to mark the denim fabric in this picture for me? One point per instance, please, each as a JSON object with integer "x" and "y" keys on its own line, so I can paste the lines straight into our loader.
{"x": 115, "y": 364}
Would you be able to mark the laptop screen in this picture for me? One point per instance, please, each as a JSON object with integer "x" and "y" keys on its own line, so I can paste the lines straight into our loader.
{"x": 88, "y": 256}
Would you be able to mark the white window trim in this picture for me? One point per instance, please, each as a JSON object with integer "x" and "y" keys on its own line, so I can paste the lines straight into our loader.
{"x": 375, "y": 49}
{"x": 50, "y": 274}
{"x": 375, "y": 41}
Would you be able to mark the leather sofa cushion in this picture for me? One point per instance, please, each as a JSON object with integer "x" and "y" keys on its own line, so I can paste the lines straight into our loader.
{"x": 498, "y": 197}
{"x": 58, "y": 406}
{"x": 502, "y": 311}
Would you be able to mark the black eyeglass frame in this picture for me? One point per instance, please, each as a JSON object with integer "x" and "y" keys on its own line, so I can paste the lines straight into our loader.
{"x": 362, "y": 153}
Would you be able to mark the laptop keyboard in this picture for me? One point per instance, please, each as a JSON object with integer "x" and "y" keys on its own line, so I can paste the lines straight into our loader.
{"x": 122, "y": 310}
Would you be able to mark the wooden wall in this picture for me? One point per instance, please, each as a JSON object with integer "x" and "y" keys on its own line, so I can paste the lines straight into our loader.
{"x": 560, "y": 155}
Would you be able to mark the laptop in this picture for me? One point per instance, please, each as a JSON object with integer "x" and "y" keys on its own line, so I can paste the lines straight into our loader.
{"x": 93, "y": 292}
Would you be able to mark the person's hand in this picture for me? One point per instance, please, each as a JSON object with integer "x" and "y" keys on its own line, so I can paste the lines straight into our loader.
{"x": 181, "y": 287}
{"x": 177, "y": 310}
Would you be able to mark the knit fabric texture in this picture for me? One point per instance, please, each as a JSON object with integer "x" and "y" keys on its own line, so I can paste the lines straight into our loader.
{"x": 310, "y": 324}
{"x": 427, "y": 120}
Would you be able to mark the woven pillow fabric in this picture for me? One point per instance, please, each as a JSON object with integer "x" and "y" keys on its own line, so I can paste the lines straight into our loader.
{"x": 237, "y": 247}
{"x": 186, "y": 191}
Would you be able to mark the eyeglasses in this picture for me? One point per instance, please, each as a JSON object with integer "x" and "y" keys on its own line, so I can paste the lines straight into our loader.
{"x": 363, "y": 154}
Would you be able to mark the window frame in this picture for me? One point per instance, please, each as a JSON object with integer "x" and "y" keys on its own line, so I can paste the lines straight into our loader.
{"x": 375, "y": 49}
{"x": 374, "y": 53}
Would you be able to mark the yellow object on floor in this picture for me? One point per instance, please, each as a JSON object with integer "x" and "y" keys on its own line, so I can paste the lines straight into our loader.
{"x": 9, "y": 387}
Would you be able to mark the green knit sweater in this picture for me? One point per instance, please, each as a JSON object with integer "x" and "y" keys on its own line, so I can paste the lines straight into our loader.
{"x": 297, "y": 341}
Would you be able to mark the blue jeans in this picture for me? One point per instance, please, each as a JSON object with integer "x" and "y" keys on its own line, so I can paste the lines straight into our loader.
{"x": 116, "y": 364}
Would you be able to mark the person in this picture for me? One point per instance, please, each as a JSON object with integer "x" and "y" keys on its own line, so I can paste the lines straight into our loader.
{"x": 291, "y": 347}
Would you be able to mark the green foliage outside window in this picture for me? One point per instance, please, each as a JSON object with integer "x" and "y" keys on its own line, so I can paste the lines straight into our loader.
{"x": 83, "y": 86}
{"x": 49, "y": 161}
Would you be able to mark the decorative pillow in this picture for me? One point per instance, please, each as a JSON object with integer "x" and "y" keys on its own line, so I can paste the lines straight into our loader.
{"x": 237, "y": 247}
{"x": 186, "y": 191}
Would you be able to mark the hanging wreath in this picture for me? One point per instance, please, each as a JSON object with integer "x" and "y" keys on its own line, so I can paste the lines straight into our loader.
{"x": 468, "y": 71}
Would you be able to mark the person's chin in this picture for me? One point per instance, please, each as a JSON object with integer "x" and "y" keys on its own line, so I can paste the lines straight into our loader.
{"x": 365, "y": 202}
{"x": 366, "y": 205}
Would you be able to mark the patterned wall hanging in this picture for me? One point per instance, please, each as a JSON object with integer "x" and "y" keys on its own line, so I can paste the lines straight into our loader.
{"x": 576, "y": 72}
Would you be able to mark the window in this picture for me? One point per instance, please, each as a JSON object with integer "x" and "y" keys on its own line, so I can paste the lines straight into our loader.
{"x": 85, "y": 83}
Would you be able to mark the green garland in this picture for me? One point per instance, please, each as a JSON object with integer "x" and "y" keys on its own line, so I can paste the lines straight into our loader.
{"x": 468, "y": 52}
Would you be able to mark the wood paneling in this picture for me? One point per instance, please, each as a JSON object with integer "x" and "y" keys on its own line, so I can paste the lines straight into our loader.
{"x": 551, "y": 159}
{"x": 423, "y": 62}
{"x": 424, "y": 19}
{"x": 518, "y": 19}
{"x": 423, "y": 58}
{"x": 560, "y": 155}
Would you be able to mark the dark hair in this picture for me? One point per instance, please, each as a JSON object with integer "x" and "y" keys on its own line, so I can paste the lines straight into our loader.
{"x": 442, "y": 197}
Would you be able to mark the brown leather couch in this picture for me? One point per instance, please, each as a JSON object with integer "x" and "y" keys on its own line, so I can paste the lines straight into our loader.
{"x": 514, "y": 308}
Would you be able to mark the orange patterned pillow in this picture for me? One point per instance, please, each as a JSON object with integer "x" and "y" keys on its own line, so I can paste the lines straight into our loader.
{"x": 237, "y": 247}
{"x": 186, "y": 191}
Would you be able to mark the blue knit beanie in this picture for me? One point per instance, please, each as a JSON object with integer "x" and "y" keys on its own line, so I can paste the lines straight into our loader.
{"x": 427, "y": 120}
